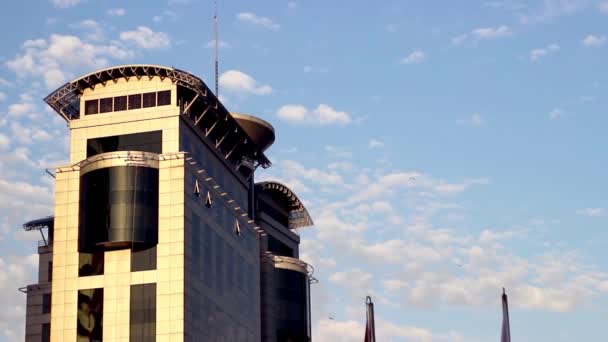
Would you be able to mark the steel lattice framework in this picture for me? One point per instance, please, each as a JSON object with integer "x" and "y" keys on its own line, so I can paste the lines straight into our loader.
{"x": 298, "y": 214}
{"x": 66, "y": 99}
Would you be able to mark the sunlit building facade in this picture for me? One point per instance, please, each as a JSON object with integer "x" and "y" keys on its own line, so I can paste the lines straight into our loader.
{"x": 160, "y": 232}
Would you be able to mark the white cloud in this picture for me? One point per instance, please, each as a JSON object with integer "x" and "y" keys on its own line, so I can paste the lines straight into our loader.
{"x": 552, "y": 9}
{"x": 322, "y": 115}
{"x": 603, "y": 7}
{"x": 252, "y": 18}
{"x": 239, "y": 82}
{"x": 492, "y": 32}
{"x": 556, "y": 113}
{"x": 537, "y": 54}
{"x": 54, "y": 58}
{"x": 292, "y": 5}
{"x": 4, "y": 142}
{"x": 144, "y": 37}
{"x": 591, "y": 211}
{"x": 474, "y": 120}
{"x": 91, "y": 27}
{"x": 116, "y": 12}
{"x": 315, "y": 69}
{"x": 21, "y": 109}
{"x": 483, "y": 33}
{"x": 593, "y": 40}
{"x": 415, "y": 57}
{"x": 15, "y": 271}
{"x": 2, "y": 96}
{"x": 66, "y": 3}
{"x": 373, "y": 143}
{"x": 4, "y": 82}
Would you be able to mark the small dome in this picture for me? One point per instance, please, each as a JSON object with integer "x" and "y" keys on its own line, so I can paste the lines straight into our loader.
{"x": 260, "y": 131}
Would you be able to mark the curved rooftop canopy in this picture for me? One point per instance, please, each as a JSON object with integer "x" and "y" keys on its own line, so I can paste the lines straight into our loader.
{"x": 260, "y": 131}
{"x": 66, "y": 99}
{"x": 298, "y": 215}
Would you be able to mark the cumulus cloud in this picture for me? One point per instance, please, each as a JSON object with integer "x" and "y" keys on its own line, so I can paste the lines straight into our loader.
{"x": 254, "y": 19}
{"x": 55, "y": 58}
{"x": 415, "y": 57}
{"x": 593, "y": 41}
{"x": 603, "y": 7}
{"x": 322, "y": 115}
{"x": 116, "y": 12}
{"x": 15, "y": 271}
{"x": 538, "y": 54}
{"x": 239, "y": 82}
{"x": 66, "y": 3}
{"x": 551, "y": 9}
{"x": 4, "y": 142}
{"x": 146, "y": 38}
{"x": 2, "y": 96}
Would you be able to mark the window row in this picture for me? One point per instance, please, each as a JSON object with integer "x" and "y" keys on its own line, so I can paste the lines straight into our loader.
{"x": 127, "y": 102}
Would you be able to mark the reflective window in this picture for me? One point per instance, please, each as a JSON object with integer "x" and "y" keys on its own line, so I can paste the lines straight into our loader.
{"x": 90, "y": 264}
{"x": 164, "y": 98}
{"x": 46, "y": 332}
{"x": 208, "y": 245}
{"x": 105, "y": 105}
{"x": 149, "y": 100}
{"x": 49, "y": 273}
{"x": 219, "y": 263}
{"x": 135, "y": 101}
{"x": 90, "y": 315}
{"x": 146, "y": 142}
{"x": 46, "y": 303}
{"x": 120, "y": 103}
{"x": 229, "y": 267}
{"x": 142, "y": 324}
{"x": 91, "y": 107}
{"x": 143, "y": 259}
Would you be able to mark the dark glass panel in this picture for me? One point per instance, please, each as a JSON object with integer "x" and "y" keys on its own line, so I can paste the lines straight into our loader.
{"x": 142, "y": 324}
{"x": 91, "y": 107}
{"x": 90, "y": 264}
{"x": 291, "y": 305}
{"x": 118, "y": 208}
{"x": 120, "y": 103}
{"x": 90, "y": 315}
{"x": 135, "y": 101}
{"x": 279, "y": 248}
{"x": 149, "y": 100}
{"x": 50, "y": 272}
{"x": 219, "y": 263}
{"x": 146, "y": 142}
{"x": 46, "y": 332}
{"x": 143, "y": 259}
{"x": 46, "y": 303}
{"x": 105, "y": 105}
{"x": 208, "y": 250}
{"x": 164, "y": 98}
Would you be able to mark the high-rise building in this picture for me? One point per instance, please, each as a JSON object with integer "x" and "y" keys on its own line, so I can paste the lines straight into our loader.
{"x": 160, "y": 232}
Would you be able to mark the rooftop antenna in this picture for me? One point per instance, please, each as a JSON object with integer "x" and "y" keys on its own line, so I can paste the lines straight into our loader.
{"x": 215, "y": 20}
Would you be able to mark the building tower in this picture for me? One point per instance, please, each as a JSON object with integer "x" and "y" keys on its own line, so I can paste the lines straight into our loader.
{"x": 160, "y": 232}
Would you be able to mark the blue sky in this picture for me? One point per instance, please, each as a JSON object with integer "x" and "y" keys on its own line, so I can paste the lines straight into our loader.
{"x": 444, "y": 149}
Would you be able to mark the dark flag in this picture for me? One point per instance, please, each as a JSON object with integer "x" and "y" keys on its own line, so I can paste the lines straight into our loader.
{"x": 370, "y": 328}
{"x": 506, "y": 329}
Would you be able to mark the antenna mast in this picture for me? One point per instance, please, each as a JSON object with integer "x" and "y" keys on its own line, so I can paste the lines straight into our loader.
{"x": 215, "y": 19}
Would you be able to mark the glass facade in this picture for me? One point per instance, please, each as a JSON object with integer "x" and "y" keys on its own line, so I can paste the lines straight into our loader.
{"x": 46, "y": 303}
{"x": 118, "y": 208}
{"x": 90, "y": 315}
{"x": 144, "y": 142}
{"x": 142, "y": 324}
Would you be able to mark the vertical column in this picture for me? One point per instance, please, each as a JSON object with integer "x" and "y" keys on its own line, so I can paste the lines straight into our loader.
{"x": 170, "y": 267}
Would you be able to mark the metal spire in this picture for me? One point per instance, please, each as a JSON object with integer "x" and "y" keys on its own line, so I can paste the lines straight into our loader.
{"x": 215, "y": 20}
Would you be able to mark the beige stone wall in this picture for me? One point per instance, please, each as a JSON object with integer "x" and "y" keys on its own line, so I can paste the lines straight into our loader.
{"x": 117, "y": 278}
